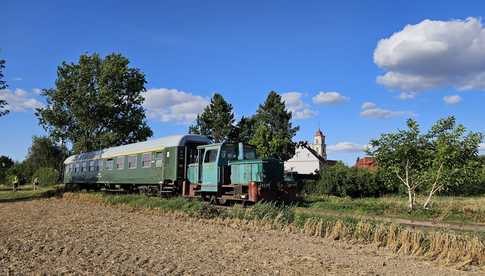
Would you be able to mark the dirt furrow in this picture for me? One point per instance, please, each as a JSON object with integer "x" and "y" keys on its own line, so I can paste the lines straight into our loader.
{"x": 58, "y": 236}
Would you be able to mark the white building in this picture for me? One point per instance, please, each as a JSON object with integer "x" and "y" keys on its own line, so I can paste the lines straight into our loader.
{"x": 304, "y": 162}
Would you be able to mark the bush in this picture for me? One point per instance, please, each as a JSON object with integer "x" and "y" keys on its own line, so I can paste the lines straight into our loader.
{"x": 340, "y": 180}
{"x": 46, "y": 176}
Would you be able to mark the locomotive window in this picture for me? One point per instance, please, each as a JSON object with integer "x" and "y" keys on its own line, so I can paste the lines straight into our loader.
{"x": 99, "y": 167}
{"x": 84, "y": 168}
{"x": 76, "y": 168}
{"x": 210, "y": 156}
{"x": 109, "y": 164}
{"x": 158, "y": 159}
{"x": 147, "y": 160}
{"x": 132, "y": 162}
{"x": 120, "y": 162}
{"x": 249, "y": 153}
{"x": 229, "y": 152}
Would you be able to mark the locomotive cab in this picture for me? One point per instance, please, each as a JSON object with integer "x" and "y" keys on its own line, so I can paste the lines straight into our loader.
{"x": 228, "y": 171}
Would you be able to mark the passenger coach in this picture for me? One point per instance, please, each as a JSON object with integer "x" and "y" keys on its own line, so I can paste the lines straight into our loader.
{"x": 156, "y": 164}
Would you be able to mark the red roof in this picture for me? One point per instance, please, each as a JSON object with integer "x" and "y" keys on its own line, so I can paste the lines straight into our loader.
{"x": 366, "y": 162}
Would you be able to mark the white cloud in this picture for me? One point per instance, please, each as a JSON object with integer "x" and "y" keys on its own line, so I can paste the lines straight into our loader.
{"x": 482, "y": 147}
{"x": 329, "y": 98}
{"x": 346, "y": 147}
{"x": 453, "y": 99}
{"x": 172, "y": 105}
{"x": 298, "y": 108}
{"x": 37, "y": 91}
{"x": 433, "y": 54}
{"x": 368, "y": 105}
{"x": 371, "y": 110}
{"x": 19, "y": 100}
{"x": 17, "y": 79}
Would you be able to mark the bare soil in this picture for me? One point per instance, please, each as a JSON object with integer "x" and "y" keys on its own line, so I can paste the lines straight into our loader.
{"x": 56, "y": 236}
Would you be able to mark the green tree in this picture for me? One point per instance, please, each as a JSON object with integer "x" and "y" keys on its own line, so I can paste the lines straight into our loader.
{"x": 96, "y": 103}
{"x": 273, "y": 131}
{"x": 46, "y": 176}
{"x": 44, "y": 153}
{"x": 454, "y": 164}
{"x": 443, "y": 159}
{"x": 216, "y": 121}
{"x": 244, "y": 130}
{"x": 5, "y": 163}
{"x": 3, "y": 85}
{"x": 402, "y": 155}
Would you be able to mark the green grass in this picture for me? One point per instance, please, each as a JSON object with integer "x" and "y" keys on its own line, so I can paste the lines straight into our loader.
{"x": 444, "y": 209}
{"x": 25, "y": 192}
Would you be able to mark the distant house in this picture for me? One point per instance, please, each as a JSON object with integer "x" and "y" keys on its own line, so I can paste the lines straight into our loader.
{"x": 304, "y": 161}
{"x": 366, "y": 163}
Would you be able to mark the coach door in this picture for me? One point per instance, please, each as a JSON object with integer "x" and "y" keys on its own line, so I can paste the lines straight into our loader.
{"x": 159, "y": 162}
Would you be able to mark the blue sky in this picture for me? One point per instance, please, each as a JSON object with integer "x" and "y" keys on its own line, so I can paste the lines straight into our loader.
{"x": 191, "y": 49}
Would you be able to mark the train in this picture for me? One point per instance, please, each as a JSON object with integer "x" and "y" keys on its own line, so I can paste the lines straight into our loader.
{"x": 182, "y": 165}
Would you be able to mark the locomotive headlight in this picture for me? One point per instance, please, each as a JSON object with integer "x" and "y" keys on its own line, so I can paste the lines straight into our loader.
{"x": 243, "y": 196}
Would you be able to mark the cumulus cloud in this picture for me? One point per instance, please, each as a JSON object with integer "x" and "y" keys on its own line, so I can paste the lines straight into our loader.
{"x": 368, "y": 105}
{"x": 298, "y": 108}
{"x": 37, "y": 91}
{"x": 453, "y": 99}
{"x": 172, "y": 105}
{"x": 482, "y": 147}
{"x": 371, "y": 110}
{"x": 19, "y": 100}
{"x": 329, "y": 98}
{"x": 433, "y": 54}
{"x": 346, "y": 147}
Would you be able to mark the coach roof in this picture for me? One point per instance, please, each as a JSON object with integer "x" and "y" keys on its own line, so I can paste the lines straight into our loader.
{"x": 147, "y": 146}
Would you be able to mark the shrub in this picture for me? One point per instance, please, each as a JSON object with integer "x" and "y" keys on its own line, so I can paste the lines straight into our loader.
{"x": 46, "y": 176}
{"x": 340, "y": 180}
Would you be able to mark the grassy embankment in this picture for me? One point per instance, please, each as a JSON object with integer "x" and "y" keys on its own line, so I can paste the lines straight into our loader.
{"x": 26, "y": 192}
{"x": 459, "y": 248}
{"x": 444, "y": 209}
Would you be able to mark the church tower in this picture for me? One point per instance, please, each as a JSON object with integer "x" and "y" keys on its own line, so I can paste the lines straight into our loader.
{"x": 319, "y": 144}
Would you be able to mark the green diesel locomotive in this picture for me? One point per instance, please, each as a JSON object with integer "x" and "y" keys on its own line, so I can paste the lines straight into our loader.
{"x": 187, "y": 165}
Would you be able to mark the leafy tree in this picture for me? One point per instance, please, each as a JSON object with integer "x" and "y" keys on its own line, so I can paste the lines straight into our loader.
{"x": 44, "y": 153}
{"x": 216, "y": 121}
{"x": 454, "y": 162}
{"x": 441, "y": 160}
{"x": 402, "y": 155}
{"x": 3, "y": 85}
{"x": 5, "y": 163}
{"x": 244, "y": 130}
{"x": 18, "y": 169}
{"x": 46, "y": 176}
{"x": 273, "y": 131}
{"x": 97, "y": 103}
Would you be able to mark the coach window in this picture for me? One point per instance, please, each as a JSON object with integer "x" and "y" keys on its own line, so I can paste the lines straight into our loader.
{"x": 132, "y": 162}
{"x": 92, "y": 165}
{"x": 120, "y": 162}
{"x": 76, "y": 168}
{"x": 109, "y": 164}
{"x": 210, "y": 156}
{"x": 85, "y": 167}
{"x": 158, "y": 159}
{"x": 147, "y": 160}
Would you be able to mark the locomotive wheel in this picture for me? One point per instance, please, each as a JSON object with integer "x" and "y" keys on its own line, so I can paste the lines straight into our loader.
{"x": 221, "y": 201}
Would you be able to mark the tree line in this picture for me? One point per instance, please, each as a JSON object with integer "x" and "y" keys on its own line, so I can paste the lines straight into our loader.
{"x": 97, "y": 102}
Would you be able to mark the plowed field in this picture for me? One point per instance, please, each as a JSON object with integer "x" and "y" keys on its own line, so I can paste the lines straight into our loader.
{"x": 56, "y": 236}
